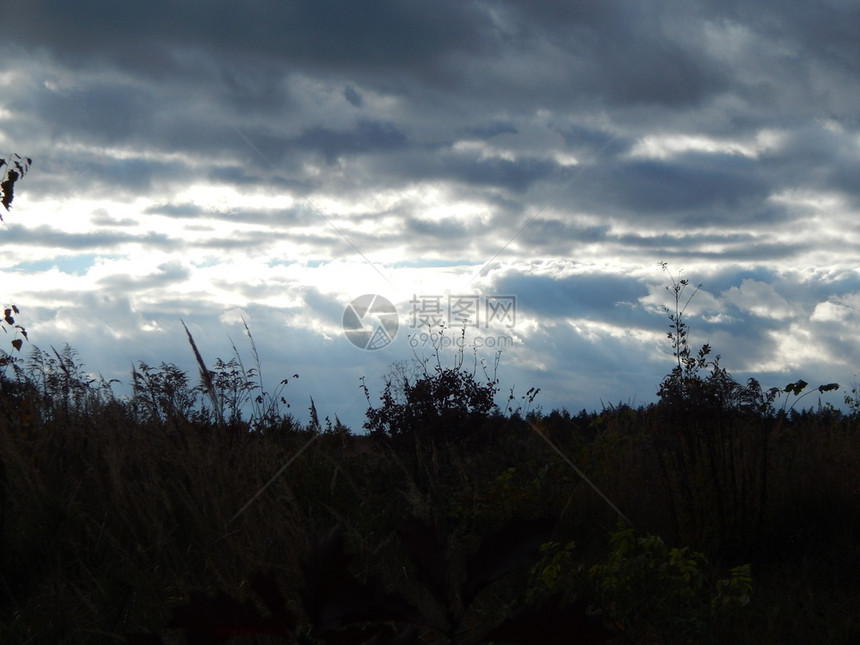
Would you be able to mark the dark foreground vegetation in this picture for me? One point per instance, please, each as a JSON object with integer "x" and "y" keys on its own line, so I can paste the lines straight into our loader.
{"x": 202, "y": 513}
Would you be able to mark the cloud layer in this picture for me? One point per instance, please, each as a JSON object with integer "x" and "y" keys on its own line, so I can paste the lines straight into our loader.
{"x": 208, "y": 161}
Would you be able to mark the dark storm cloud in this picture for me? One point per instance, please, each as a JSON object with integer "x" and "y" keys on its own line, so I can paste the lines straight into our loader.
{"x": 97, "y": 174}
{"x": 429, "y": 233}
{"x": 705, "y": 183}
{"x": 149, "y": 37}
{"x": 233, "y": 175}
{"x": 243, "y": 242}
{"x": 275, "y": 218}
{"x": 490, "y": 130}
{"x": 617, "y": 54}
{"x": 47, "y": 236}
{"x": 827, "y": 30}
{"x": 684, "y": 241}
{"x": 515, "y": 176}
{"x": 816, "y": 158}
{"x": 695, "y": 247}
{"x": 690, "y": 190}
{"x": 101, "y": 112}
{"x": 353, "y": 96}
{"x": 368, "y": 136}
{"x": 182, "y": 211}
{"x": 132, "y": 175}
{"x": 468, "y": 171}
{"x": 103, "y": 218}
{"x": 560, "y": 237}
{"x": 600, "y": 296}
{"x": 164, "y": 276}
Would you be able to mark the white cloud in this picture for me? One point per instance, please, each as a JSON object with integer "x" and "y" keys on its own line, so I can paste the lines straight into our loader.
{"x": 760, "y": 299}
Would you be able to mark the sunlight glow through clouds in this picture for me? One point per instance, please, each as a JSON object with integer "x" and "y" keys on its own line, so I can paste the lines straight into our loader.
{"x": 842, "y": 309}
{"x": 797, "y": 348}
{"x": 814, "y": 201}
{"x": 218, "y": 198}
{"x": 668, "y": 146}
{"x": 760, "y": 299}
{"x": 831, "y": 312}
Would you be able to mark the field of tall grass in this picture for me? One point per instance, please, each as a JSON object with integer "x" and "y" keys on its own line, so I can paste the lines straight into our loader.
{"x": 196, "y": 510}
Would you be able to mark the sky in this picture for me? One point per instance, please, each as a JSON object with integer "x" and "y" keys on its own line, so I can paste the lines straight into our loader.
{"x": 526, "y": 165}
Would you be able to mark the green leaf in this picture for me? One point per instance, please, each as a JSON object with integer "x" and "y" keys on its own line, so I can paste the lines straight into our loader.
{"x": 796, "y": 387}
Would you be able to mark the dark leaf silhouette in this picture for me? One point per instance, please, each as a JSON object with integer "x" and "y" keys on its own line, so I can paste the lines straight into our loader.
{"x": 796, "y": 388}
{"x": 513, "y": 546}
{"x": 16, "y": 168}
{"x": 7, "y": 186}
{"x": 9, "y": 319}
{"x": 551, "y": 624}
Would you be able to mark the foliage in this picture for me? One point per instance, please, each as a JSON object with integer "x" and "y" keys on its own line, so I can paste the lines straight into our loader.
{"x": 165, "y": 394}
{"x": 646, "y": 585}
{"x": 63, "y": 384}
{"x": 713, "y": 437}
{"x": 798, "y": 386}
{"x": 12, "y": 169}
{"x": 649, "y": 590}
{"x": 162, "y": 395}
{"x": 558, "y": 568}
{"x": 685, "y": 387}
{"x": 440, "y": 403}
{"x": 340, "y": 608}
{"x": 9, "y": 319}
{"x": 852, "y": 398}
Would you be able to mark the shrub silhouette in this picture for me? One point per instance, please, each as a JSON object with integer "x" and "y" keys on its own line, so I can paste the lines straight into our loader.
{"x": 712, "y": 436}
{"x": 444, "y": 403}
